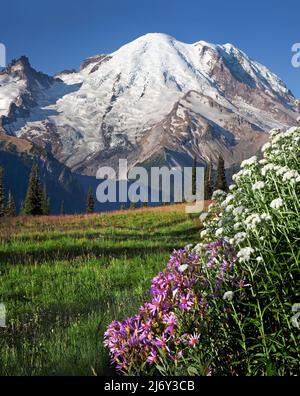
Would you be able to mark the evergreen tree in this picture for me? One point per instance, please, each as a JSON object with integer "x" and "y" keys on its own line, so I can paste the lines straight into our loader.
{"x": 62, "y": 208}
{"x": 33, "y": 200}
{"x": 1, "y": 193}
{"x": 208, "y": 182}
{"x": 10, "y": 210}
{"x": 90, "y": 203}
{"x": 45, "y": 202}
{"x": 221, "y": 183}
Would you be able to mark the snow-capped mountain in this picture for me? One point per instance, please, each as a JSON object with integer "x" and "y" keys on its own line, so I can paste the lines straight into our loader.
{"x": 155, "y": 95}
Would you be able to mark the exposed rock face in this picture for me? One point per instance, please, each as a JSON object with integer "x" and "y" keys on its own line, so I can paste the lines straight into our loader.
{"x": 153, "y": 95}
{"x": 95, "y": 61}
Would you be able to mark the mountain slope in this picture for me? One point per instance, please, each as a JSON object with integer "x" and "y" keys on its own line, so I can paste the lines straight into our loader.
{"x": 154, "y": 93}
{"x": 17, "y": 156}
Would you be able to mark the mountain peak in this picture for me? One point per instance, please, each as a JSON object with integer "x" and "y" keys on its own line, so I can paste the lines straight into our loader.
{"x": 20, "y": 87}
{"x": 22, "y": 69}
{"x": 156, "y": 36}
{"x": 23, "y": 60}
{"x": 18, "y": 64}
{"x": 150, "y": 39}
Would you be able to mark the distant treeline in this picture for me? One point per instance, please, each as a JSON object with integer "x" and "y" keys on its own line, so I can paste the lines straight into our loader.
{"x": 37, "y": 201}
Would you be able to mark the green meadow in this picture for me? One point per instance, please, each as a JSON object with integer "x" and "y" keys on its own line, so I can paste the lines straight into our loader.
{"x": 64, "y": 279}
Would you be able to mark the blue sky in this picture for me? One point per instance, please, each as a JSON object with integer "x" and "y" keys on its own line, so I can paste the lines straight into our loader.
{"x": 59, "y": 34}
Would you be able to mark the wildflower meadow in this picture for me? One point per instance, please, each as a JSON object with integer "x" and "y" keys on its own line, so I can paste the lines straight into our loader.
{"x": 225, "y": 306}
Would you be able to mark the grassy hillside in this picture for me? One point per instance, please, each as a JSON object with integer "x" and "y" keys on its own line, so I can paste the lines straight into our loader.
{"x": 64, "y": 279}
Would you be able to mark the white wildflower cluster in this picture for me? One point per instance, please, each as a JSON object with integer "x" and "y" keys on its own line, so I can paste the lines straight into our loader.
{"x": 200, "y": 248}
{"x": 288, "y": 175}
{"x": 266, "y": 147}
{"x": 275, "y": 132}
{"x": 237, "y": 226}
{"x": 260, "y": 197}
{"x": 228, "y": 296}
{"x": 227, "y": 201}
{"x": 245, "y": 254}
{"x": 268, "y": 168}
{"x": 239, "y": 238}
{"x": 251, "y": 161}
{"x": 282, "y": 143}
{"x": 291, "y": 176}
{"x": 277, "y": 203}
{"x": 219, "y": 232}
{"x": 260, "y": 185}
{"x": 218, "y": 194}
{"x": 255, "y": 219}
{"x": 204, "y": 233}
{"x": 238, "y": 211}
{"x": 242, "y": 174}
{"x": 203, "y": 217}
{"x": 281, "y": 170}
{"x": 229, "y": 208}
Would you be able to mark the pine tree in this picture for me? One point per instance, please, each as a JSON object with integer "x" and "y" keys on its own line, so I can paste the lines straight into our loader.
{"x": 194, "y": 177}
{"x": 1, "y": 193}
{"x": 90, "y": 203}
{"x": 33, "y": 200}
{"x": 221, "y": 183}
{"x": 10, "y": 210}
{"x": 208, "y": 182}
{"x": 45, "y": 202}
{"x": 62, "y": 208}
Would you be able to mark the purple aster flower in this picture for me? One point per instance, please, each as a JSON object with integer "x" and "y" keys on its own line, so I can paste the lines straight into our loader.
{"x": 162, "y": 343}
{"x": 242, "y": 284}
{"x": 211, "y": 263}
{"x": 121, "y": 366}
{"x": 209, "y": 372}
{"x": 185, "y": 302}
{"x": 133, "y": 341}
{"x": 226, "y": 266}
{"x": 155, "y": 306}
{"x": 146, "y": 326}
{"x": 171, "y": 321}
{"x": 194, "y": 340}
{"x": 219, "y": 282}
{"x": 145, "y": 330}
{"x": 176, "y": 357}
{"x": 177, "y": 259}
{"x": 213, "y": 247}
{"x": 152, "y": 358}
